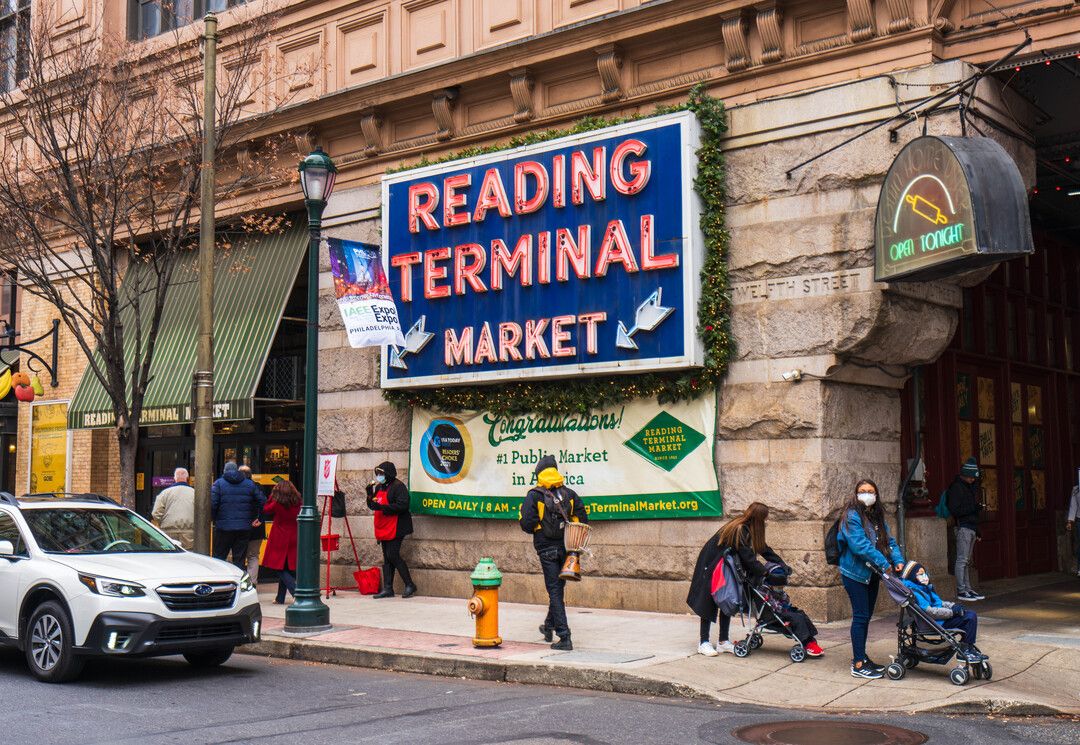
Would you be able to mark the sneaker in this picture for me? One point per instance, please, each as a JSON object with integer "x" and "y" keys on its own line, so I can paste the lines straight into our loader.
{"x": 970, "y": 596}
{"x": 547, "y": 633}
{"x": 707, "y": 649}
{"x": 813, "y": 650}
{"x": 867, "y": 671}
{"x": 725, "y": 647}
{"x": 563, "y": 645}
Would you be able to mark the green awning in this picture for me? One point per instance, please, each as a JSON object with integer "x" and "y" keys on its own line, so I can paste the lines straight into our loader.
{"x": 252, "y": 282}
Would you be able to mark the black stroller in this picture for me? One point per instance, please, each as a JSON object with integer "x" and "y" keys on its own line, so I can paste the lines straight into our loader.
{"x": 940, "y": 645}
{"x": 763, "y": 605}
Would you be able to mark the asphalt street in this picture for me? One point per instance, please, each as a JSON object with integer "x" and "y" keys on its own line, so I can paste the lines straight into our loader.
{"x": 258, "y": 700}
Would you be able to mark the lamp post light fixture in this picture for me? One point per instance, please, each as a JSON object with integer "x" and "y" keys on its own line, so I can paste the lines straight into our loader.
{"x": 308, "y": 613}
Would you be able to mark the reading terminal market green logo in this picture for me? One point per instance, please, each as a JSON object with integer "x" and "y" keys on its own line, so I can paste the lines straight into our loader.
{"x": 665, "y": 441}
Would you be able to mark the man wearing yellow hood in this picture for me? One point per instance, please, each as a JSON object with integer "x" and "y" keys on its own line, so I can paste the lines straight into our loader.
{"x": 547, "y": 508}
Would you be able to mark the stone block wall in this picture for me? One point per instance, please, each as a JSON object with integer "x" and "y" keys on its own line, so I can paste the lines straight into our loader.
{"x": 804, "y": 299}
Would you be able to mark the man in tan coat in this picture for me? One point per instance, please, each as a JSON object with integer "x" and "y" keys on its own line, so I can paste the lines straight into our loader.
{"x": 174, "y": 510}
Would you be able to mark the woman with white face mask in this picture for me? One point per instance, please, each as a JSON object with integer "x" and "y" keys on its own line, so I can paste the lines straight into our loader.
{"x": 863, "y": 539}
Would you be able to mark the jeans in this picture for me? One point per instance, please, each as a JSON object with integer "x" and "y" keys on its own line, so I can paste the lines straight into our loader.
{"x": 863, "y": 599}
{"x": 391, "y": 553}
{"x": 234, "y": 541}
{"x": 286, "y": 581}
{"x": 968, "y": 623}
{"x": 965, "y": 546}
{"x": 551, "y": 561}
{"x": 725, "y": 628}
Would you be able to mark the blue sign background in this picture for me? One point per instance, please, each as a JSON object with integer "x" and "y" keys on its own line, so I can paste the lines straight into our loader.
{"x": 619, "y": 293}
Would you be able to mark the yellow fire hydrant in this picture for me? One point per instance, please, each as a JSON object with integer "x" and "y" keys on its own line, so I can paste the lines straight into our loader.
{"x": 484, "y": 604}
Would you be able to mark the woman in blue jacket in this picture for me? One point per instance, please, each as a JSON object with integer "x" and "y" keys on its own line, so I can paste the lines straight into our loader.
{"x": 863, "y": 539}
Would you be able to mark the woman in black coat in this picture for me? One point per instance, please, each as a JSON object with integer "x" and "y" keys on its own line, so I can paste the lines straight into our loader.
{"x": 389, "y": 499}
{"x": 745, "y": 535}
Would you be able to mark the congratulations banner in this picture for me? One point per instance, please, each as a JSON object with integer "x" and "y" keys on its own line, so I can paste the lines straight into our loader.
{"x": 638, "y": 461}
{"x": 363, "y": 294}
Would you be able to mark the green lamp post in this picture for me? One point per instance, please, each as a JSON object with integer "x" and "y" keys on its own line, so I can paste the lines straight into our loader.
{"x": 308, "y": 613}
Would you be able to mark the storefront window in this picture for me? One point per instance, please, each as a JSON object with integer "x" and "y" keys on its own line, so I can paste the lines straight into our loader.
{"x": 990, "y": 328}
{"x": 1032, "y": 326}
{"x": 48, "y": 448}
{"x": 1013, "y": 332}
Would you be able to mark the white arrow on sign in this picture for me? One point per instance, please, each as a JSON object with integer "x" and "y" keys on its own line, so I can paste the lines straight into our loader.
{"x": 647, "y": 317}
{"x": 415, "y": 340}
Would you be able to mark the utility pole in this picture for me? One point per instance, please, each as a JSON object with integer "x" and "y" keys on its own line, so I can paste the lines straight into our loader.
{"x": 203, "y": 383}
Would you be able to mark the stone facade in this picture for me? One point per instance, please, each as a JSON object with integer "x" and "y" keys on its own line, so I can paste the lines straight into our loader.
{"x": 804, "y": 299}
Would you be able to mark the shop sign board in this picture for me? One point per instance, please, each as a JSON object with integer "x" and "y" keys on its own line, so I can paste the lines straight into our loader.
{"x": 949, "y": 205}
{"x": 639, "y": 460}
{"x": 575, "y": 256}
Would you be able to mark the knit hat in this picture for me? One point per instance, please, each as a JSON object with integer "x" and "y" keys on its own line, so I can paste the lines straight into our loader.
{"x": 911, "y": 570}
{"x": 548, "y": 461}
{"x": 970, "y": 469}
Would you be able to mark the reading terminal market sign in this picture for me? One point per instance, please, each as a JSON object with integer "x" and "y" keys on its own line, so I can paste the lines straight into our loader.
{"x": 949, "y": 205}
{"x": 578, "y": 255}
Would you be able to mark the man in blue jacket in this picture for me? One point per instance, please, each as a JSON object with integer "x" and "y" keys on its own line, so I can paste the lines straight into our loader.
{"x": 235, "y": 504}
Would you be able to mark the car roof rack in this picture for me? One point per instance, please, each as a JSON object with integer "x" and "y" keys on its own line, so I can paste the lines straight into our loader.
{"x": 73, "y": 496}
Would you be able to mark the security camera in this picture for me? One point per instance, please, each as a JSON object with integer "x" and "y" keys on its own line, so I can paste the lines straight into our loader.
{"x": 792, "y": 376}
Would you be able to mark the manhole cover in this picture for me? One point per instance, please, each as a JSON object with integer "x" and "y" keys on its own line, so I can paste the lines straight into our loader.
{"x": 827, "y": 733}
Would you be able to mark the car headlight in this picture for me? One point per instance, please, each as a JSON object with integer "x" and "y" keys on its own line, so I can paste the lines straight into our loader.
{"x": 112, "y": 587}
{"x": 246, "y": 584}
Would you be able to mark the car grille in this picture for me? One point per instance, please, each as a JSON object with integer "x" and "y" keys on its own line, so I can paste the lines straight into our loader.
{"x": 186, "y": 632}
{"x": 185, "y": 598}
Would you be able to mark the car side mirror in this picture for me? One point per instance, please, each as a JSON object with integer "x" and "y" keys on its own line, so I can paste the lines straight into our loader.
{"x": 177, "y": 543}
{"x": 7, "y": 550}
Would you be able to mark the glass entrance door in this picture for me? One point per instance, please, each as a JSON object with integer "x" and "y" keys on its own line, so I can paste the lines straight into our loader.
{"x": 1027, "y": 492}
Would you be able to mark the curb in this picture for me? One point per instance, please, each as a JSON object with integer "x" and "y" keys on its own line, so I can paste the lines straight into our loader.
{"x": 566, "y": 676}
{"x": 528, "y": 673}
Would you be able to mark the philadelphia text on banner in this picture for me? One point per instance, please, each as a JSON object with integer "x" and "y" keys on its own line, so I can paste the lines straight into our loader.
{"x": 635, "y": 461}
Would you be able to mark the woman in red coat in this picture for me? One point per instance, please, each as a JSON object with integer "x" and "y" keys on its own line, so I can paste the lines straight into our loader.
{"x": 282, "y": 508}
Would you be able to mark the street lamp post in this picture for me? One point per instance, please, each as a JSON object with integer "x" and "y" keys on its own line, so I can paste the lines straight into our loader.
{"x": 308, "y": 613}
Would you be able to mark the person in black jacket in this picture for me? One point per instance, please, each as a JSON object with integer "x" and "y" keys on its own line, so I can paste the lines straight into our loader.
{"x": 547, "y": 508}
{"x": 235, "y": 504}
{"x": 962, "y": 499}
{"x": 388, "y": 499}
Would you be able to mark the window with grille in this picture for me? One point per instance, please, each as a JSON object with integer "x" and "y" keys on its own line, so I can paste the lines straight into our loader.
{"x": 149, "y": 18}
{"x": 14, "y": 42}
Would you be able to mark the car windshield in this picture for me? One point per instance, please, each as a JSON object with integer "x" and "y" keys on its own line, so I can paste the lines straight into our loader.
{"x": 85, "y": 530}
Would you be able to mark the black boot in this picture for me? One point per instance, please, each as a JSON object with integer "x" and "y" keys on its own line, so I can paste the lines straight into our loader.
{"x": 410, "y": 590}
{"x": 547, "y": 633}
{"x": 388, "y": 583}
{"x": 563, "y": 645}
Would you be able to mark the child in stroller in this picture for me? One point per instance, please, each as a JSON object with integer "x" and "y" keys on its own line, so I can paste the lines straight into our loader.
{"x": 946, "y": 629}
{"x": 771, "y": 611}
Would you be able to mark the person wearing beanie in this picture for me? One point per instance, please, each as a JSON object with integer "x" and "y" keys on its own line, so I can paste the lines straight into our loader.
{"x": 548, "y": 506}
{"x": 962, "y": 499}
{"x": 948, "y": 615}
{"x": 389, "y": 499}
{"x": 235, "y": 504}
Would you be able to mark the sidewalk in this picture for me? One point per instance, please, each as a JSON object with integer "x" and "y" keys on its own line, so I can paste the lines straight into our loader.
{"x": 1032, "y": 636}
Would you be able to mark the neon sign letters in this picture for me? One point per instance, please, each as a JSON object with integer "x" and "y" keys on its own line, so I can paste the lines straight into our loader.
{"x": 580, "y": 255}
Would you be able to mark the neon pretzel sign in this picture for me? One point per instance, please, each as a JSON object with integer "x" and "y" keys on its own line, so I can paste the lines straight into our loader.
{"x": 938, "y": 206}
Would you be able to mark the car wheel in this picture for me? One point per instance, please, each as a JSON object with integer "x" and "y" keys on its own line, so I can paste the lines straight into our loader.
{"x": 49, "y": 641}
{"x": 209, "y": 657}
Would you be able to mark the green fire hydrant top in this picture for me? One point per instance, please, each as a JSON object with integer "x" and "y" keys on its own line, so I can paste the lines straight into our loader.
{"x": 486, "y": 574}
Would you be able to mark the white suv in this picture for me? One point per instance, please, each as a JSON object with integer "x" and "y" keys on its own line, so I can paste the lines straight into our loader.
{"x": 82, "y": 576}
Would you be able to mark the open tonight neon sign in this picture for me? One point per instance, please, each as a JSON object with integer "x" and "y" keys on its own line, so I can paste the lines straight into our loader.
{"x": 580, "y": 255}
{"x": 949, "y": 204}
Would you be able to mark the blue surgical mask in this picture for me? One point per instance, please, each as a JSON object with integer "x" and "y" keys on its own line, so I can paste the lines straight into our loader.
{"x": 380, "y": 478}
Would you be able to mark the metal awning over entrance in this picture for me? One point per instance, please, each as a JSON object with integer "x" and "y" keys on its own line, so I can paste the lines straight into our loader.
{"x": 252, "y": 282}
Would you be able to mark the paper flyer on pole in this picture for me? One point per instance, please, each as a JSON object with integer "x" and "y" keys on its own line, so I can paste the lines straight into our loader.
{"x": 640, "y": 460}
{"x": 363, "y": 294}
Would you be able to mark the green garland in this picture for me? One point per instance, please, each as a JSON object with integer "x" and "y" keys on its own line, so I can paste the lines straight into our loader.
{"x": 583, "y": 394}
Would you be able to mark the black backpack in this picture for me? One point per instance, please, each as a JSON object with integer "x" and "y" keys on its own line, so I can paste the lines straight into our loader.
{"x": 553, "y": 523}
{"x": 832, "y": 544}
